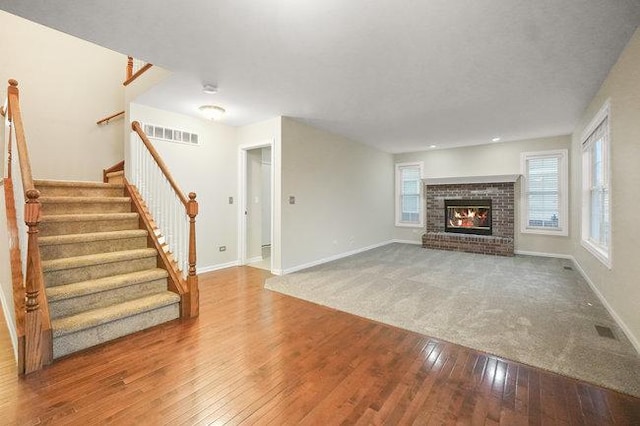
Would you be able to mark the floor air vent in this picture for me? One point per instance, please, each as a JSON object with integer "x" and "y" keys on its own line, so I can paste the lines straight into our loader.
{"x": 568, "y": 268}
{"x": 605, "y": 332}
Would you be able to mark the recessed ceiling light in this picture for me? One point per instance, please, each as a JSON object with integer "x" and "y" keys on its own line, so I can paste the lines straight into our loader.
{"x": 496, "y": 139}
{"x": 212, "y": 112}
{"x": 432, "y": 146}
{"x": 210, "y": 89}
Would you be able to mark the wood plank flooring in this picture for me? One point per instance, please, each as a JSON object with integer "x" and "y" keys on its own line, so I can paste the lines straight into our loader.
{"x": 258, "y": 357}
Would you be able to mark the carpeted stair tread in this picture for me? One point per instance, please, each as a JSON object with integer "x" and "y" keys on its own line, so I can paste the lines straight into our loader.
{"x": 97, "y": 317}
{"x": 96, "y": 259}
{"x": 92, "y": 236}
{"x": 103, "y": 284}
{"x": 78, "y": 184}
{"x": 70, "y": 199}
{"x": 88, "y": 217}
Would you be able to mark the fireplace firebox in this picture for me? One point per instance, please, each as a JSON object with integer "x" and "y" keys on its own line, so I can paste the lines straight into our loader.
{"x": 468, "y": 216}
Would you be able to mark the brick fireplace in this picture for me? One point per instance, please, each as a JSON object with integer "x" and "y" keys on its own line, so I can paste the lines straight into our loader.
{"x": 459, "y": 191}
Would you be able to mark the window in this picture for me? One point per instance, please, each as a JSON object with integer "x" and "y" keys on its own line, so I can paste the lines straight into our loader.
{"x": 545, "y": 194}
{"x": 408, "y": 200}
{"x": 596, "y": 203}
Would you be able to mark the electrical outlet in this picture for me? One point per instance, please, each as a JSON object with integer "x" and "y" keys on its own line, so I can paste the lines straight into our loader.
{"x": 292, "y": 199}
{"x": 230, "y": 200}
{"x": 222, "y": 248}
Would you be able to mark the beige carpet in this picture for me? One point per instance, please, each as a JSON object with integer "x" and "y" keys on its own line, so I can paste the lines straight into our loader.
{"x": 528, "y": 309}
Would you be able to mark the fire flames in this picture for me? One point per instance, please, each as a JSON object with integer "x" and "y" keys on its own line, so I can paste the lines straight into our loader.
{"x": 468, "y": 218}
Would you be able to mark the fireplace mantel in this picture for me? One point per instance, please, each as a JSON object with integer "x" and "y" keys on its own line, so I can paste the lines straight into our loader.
{"x": 461, "y": 180}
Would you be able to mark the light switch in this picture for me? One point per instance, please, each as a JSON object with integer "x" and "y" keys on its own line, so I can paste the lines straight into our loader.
{"x": 230, "y": 200}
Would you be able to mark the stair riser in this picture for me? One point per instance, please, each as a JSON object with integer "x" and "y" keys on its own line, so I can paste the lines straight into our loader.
{"x": 67, "y": 276}
{"x": 58, "y": 251}
{"x": 68, "y": 191}
{"x": 83, "y": 227}
{"x": 80, "y": 208}
{"x": 83, "y": 339}
{"x": 105, "y": 298}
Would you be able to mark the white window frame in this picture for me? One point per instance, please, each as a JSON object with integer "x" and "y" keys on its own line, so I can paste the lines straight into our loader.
{"x": 563, "y": 193}
{"x": 398, "y": 195}
{"x": 603, "y": 254}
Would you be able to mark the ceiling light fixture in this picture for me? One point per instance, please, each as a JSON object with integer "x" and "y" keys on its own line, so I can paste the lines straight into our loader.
{"x": 496, "y": 139}
{"x": 212, "y": 112}
{"x": 209, "y": 89}
{"x": 432, "y": 146}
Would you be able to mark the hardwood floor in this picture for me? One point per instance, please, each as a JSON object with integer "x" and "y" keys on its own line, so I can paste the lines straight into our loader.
{"x": 258, "y": 357}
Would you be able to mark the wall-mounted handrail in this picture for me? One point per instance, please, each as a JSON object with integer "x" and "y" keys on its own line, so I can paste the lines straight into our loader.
{"x": 172, "y": 211}
{"x": 109, "y": 118}
{"x": 37, "y": 348}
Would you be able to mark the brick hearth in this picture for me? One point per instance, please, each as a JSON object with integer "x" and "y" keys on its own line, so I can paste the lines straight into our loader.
{"x": 502, "y": 213}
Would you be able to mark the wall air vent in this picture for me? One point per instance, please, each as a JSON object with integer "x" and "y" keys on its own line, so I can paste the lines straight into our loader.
{"x": 171, "y": 135}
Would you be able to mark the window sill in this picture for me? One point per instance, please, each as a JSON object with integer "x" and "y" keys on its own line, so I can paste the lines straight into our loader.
{"x": 598, "y": 253}
{"x": 409, "y": 225}
{"x": 541, "y": 231}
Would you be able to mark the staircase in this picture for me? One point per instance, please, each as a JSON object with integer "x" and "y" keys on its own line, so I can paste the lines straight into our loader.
{"x": 101, "y": 276}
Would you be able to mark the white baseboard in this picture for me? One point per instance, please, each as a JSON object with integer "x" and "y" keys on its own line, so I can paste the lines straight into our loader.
{"x": 540, "y": 254}
{"x": 330, "y": 258}
{"x": 212, "y": 268}
{"x": 634, "y": 341}
{"x": 419, "y": 243}
{"x": 10, "y": 325}
{"x": 626, "y": 330}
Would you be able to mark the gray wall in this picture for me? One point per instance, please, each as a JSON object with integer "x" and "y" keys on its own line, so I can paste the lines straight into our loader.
{"x": 343, "y": 191}
{"x": 620, "y": 285}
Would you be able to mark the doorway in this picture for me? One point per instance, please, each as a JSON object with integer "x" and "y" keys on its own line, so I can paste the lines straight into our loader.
{"x": 256, "y": 206}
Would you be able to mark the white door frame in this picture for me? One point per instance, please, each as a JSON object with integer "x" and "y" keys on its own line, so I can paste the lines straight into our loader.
{"x": 242, "y": 197}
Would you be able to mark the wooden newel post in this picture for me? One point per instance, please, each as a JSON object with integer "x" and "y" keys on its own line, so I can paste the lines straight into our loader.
{"x": 36, "y": 351}
{"x": 192, "y": 277}
{"x": 129, "y": 67}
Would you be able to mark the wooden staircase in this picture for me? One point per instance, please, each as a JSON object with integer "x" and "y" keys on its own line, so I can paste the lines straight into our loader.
{"x": 89, "y": 261}
{"x": 101, "y": 279}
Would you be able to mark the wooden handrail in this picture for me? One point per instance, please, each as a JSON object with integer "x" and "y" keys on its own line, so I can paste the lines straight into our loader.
{"x": 111, "y": 117}
{"x": 38, "y": 350}
{"x": 15, "y": 116}
{"x": 163, "y": 167}
{"x": 137, "y": 74}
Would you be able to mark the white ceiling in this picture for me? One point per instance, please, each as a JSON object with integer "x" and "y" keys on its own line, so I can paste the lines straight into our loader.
{"x": 398, "y": 75}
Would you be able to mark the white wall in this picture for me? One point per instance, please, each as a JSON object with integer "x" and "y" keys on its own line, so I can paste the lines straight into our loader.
{"x": 266, "y": 196}
{"x": 211, "y": 171}
{"x": 6, "y": 285}
{"x": 254, "y": 203}
{"x": 491, "y": 159}
{"x": 66, "y": 85}
{"x": 343, "y": 192}
{"x": 620, "y": 285}
{"x": 269, "y": 131}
